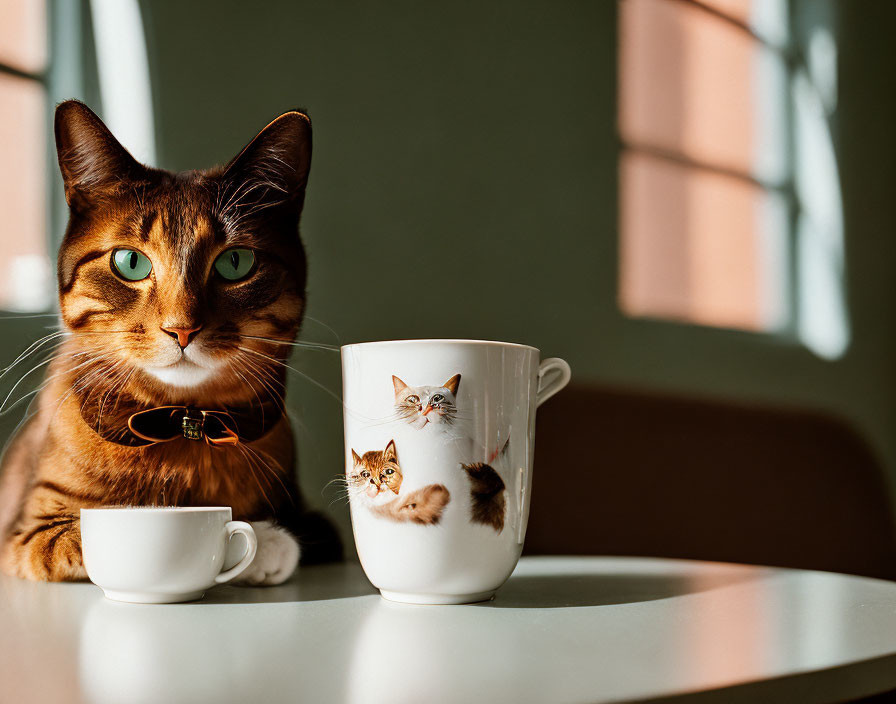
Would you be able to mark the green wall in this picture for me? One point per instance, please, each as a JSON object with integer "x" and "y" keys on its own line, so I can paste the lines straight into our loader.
{"x": 464, "y": 185}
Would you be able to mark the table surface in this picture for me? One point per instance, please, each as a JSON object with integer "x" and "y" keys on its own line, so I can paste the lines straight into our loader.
{"x": 561, "y": 630}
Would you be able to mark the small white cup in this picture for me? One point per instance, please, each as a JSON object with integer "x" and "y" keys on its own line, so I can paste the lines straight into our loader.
{"x": 456, "y": 421}
{"x": 151, "y": 555}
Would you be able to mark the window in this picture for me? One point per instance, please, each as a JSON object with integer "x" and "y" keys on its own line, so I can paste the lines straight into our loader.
{"x": 25, "y": 273}
{"x": 47, "y": 47}
{"x": 729, "y": 198}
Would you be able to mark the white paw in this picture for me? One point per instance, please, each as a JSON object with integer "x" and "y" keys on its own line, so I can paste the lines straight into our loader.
{"x": 276, "y": 559}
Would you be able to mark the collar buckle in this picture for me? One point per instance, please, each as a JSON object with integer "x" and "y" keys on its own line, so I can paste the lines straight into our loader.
{"x": 192, "y": 425}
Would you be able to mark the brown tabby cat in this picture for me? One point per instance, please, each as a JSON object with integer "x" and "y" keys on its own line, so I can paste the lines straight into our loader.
{"x": 180, "y": 295}
{"x": 375, "y": 481}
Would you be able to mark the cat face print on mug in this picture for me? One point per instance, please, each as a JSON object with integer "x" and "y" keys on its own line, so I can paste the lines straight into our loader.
{"x": 438, "y": 472}
{"x": 374, "y": 482}
{"x": 422, "y": 406}
{"x": 375, "y": 473}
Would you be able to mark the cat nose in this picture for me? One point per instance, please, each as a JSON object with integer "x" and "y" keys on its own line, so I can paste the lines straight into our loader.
{"x": 183, "y": 335}
{"x": 427, "y": 409}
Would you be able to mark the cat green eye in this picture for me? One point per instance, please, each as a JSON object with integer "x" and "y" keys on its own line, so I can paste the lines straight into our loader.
{"x": 412, "y": 399}
{"x": 437, "y": 398}
{"x": 235, "y": 264}
{"x": 131, "y": 264}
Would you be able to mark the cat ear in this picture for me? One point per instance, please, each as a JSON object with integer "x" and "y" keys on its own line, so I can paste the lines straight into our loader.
{"x": 390, "y": 453}
{"x": 453, "y": 383}
{"x": 273, "y": 168}
{"x": 356, "y": 458}
{"x": 398, "y": 385}
{"x": 93, "y": 163}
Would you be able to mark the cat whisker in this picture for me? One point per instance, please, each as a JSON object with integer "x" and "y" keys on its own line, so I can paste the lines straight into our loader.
{"x": 27, "y": 416}
{"x": 324, "y": 325}
{"x": 32, "y": 348}
{"x": 340, "y": 498}
{"x": 93, "y": 387}
{"x": 342, "y": 495}
{"x": 46, "y": 382}
{"x": 316, "y": 383}
{"x": 103, "y": 332}
{"x": 260, "y": 374}
{"x": 296, "y": 343}
{"x": 339, "y": 479}
{"x": 29, "y": 315}
{"x": 287, "y": 366}
{"x": 250, "y": 463}
{"x": 254, "y": 391}
{"x": 114, "y": 386}
{"x": 265, "y": 465}
{"x": 121, "y": 387}
{"x": 385, "y": 421}
{"x": 22, "y": 378}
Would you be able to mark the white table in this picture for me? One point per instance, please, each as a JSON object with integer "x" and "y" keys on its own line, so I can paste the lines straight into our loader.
{"x": 561, "y": 630}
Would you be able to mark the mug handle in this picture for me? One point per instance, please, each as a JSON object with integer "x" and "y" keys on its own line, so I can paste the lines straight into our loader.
{"x": 557, "y": 372}
{"x": 232, "y": 528}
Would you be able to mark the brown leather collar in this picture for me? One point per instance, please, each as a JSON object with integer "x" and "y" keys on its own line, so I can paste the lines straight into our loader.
{"x": 125, "y": 422}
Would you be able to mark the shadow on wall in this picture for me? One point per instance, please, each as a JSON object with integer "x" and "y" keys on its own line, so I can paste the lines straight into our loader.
{"x": 635, "y": 474}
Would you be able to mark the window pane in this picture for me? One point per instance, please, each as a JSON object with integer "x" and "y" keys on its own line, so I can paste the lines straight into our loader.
{"x": 739, "y": 10}
{"x": 700, "y": 247}
{"x": 25, "y": 276}
{"x": 23, "y": 34}
{"x": 693, "y": 84}
{"x": 765, "y": 18}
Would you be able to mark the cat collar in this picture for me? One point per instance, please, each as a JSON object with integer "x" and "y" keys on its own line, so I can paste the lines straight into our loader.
{"x": 150, "y": 426}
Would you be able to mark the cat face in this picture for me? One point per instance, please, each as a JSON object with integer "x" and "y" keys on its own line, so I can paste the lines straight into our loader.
{"x": 376, "y": 474}
{"x": 420, "y": 406}
{"x": 168, "y": 278}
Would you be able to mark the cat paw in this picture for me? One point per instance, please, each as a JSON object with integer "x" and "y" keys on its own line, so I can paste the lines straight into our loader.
{"x": 276, "y": 558}
{"x": 44, "y": 555}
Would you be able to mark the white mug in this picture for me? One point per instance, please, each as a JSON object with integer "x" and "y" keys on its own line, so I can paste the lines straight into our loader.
{"x": 439, "y": 444}
{"x": 161, "y": 555}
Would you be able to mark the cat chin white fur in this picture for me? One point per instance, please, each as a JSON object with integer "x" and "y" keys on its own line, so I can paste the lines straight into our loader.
{"x": 432, "y": 418}
{"x": 183, "y": 374}
{"x": 362, "y": 498}
{"x": 383, "y": 497}
{"x": 436, "y": 428}
{"x": 429, "y": 420}
{"x": 276, "y": 559}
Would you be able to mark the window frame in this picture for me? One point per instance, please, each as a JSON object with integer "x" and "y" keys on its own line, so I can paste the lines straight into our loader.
{"x": 62, "y": 77}
{"x": 788, "y": 52}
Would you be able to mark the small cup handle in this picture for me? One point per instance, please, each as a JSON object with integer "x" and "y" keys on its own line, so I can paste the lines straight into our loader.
{"x": 232, "y": 528}
{"x": 553, "y": 374}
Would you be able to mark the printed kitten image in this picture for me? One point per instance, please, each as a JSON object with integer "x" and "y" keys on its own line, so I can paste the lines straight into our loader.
{"x": 375, "y": 480}
{"x": 420, "y": 406}
{"x": 488, "y": 504}
{"x": 175, "y": 289}
{"x": 376, "y": 473}
{"x": 423, "y": 506}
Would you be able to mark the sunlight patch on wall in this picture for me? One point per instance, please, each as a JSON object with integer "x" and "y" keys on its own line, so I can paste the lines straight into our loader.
{"x": 822, "y": 321}
{"x": 26, "y": 281}
{"x": 730, "y": 210}
{"x": 702, "y": 115}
